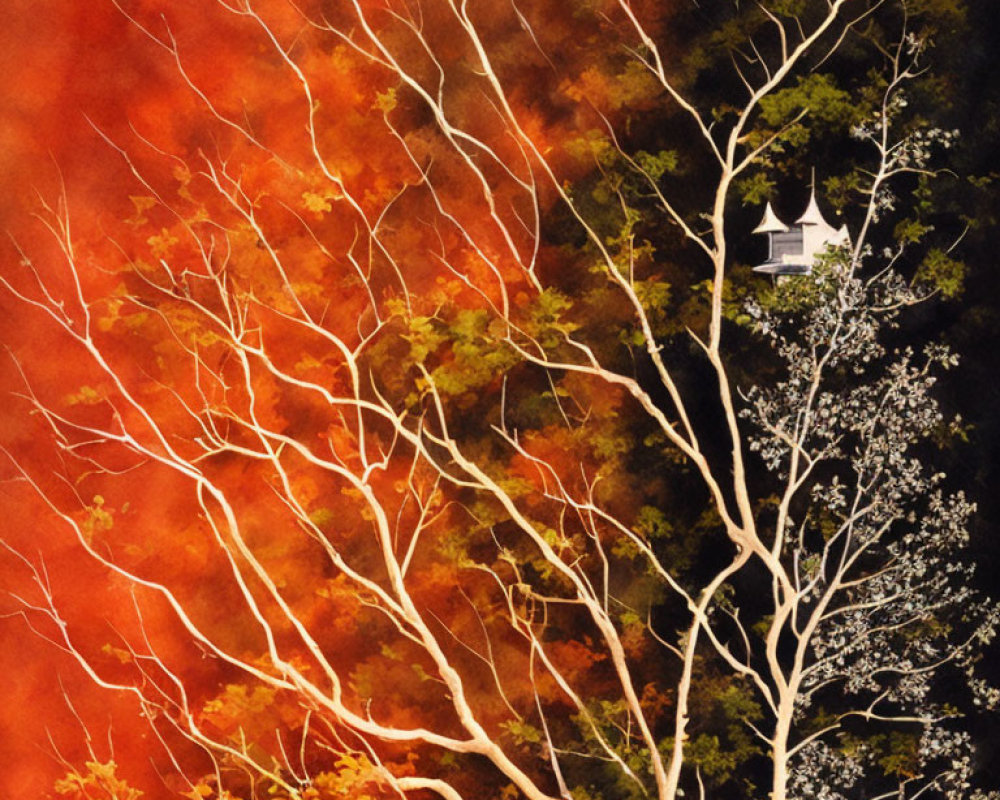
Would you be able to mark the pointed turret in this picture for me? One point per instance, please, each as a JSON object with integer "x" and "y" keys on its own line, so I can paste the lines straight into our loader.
{"x": 770, "y": 223}
{"x": 812, "y": 215}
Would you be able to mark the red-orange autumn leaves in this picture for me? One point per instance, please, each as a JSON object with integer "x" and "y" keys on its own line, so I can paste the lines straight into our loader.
{"x": 253, "y": 335}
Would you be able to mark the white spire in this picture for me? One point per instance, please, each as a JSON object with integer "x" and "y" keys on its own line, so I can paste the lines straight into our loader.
{"x": 770, "y": 223}
{"x": 812, "y": 215}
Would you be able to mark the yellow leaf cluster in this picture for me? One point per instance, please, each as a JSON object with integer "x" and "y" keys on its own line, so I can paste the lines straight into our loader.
{"x": 98, "y": 782}
{"x": 162, "y": 243}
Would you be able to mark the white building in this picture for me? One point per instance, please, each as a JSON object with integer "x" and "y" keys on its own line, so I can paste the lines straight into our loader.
{"x": 793, "y": 249}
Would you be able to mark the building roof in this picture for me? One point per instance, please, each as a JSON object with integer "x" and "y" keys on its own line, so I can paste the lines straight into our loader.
{"x": 812, "y": 215}
{"x": 770, "y": 223}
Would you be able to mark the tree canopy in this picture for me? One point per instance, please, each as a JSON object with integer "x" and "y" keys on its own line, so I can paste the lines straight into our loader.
{"x": 393, "y": 410}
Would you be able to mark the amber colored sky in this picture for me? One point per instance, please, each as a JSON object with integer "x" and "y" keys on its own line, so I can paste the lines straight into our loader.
{"x": 60, "y": 62}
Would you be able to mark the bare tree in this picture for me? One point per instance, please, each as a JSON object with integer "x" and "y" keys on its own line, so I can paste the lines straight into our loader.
{"x": 334, "y": 364}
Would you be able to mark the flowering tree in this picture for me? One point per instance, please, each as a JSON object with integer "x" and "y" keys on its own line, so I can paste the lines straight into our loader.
{"x": 405, "y": 416}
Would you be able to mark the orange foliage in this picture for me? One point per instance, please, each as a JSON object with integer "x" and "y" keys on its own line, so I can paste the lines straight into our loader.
{"x": 211, "y": 188}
